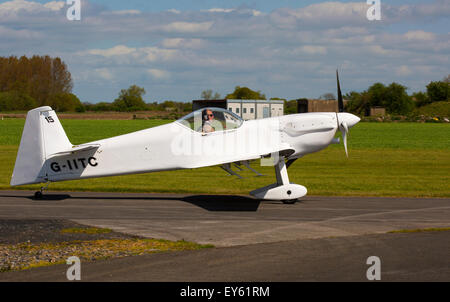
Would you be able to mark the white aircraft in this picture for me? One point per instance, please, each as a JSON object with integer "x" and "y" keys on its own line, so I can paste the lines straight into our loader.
{"x": 207, "y": 137}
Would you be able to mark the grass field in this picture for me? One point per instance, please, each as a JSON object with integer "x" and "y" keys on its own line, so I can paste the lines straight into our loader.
{"x": 385, "y": 159}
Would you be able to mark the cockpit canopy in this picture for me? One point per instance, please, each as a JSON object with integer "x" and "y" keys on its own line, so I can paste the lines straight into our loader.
{"x": 211, "y": 119}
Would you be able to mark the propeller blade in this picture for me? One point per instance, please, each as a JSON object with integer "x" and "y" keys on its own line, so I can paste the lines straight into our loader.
{"x": 340, "y": 100}
{"x": 344, "y": 130}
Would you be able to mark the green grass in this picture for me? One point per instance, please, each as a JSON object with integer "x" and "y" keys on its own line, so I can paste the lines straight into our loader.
{"x": 86, "y": 231}
{"x": 28, "y": 255}
{"x": 420, "y": 230}
{"x": 385, "y": 159}
{"x": 78, "y": 131}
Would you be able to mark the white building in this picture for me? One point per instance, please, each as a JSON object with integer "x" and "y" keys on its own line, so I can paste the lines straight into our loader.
{"x": 247, "y": 109}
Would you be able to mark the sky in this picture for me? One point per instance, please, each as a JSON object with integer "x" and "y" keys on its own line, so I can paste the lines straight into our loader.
{"x": 288, "y": 49}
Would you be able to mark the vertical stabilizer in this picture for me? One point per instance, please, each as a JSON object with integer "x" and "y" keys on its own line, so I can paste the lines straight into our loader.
{"x": 42, "y": 136}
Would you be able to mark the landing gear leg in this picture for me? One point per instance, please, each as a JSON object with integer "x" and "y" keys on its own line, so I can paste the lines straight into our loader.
{"x": 39, "y": 194}
{"x": 282, "y": 190}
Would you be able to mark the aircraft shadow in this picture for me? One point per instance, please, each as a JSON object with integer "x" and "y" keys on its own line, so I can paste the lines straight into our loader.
{"x": 213, "y": 203}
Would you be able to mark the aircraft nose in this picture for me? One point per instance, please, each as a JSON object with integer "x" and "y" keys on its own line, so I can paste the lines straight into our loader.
{"x": 350, "y": 119}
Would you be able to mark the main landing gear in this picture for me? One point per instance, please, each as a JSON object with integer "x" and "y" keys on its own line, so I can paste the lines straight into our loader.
{"x": 39, "y": 194}
{"x": 282, "y": 190}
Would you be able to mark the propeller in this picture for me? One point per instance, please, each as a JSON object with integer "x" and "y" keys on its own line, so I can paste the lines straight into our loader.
{"x": 343, "y": 127}
{"x": 340, "y": 100}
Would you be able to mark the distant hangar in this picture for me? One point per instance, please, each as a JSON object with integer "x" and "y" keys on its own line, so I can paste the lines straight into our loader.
{"x": 247, "y": 109}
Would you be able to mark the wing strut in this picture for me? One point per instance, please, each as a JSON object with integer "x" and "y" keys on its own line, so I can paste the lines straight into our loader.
{"x": 247, "y": 165}
{"x": 227, "y": 168}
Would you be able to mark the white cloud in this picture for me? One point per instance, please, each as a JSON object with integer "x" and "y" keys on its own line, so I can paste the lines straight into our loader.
{"x": 287, "y": 52}
{"x": 174, "y": 11}
{"x": 114, "y": 51}
{"x": 104, "y": 73}
{"x": 55, "y": 5}
{"x": 123, "y": 12}
{"x": 183, "y": 43}
{"x": 313, "y": 50}
{"x": 419, "y": 35}
{"x": 403, "y": 70}
{"x": 158, "y": 73}
{"x": 16, "y": 6}
{"x": 321, "y": 14}
{"x": 16, "y": 34}
{"x": 220, "y": 10}
{"x": 187, "y": 27}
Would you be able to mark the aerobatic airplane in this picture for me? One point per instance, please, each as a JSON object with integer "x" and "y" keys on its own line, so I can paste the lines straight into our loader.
{"x": 207, "y": 137}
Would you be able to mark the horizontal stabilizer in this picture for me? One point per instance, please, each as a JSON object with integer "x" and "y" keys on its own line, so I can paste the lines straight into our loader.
{"x": 76, "y": 149}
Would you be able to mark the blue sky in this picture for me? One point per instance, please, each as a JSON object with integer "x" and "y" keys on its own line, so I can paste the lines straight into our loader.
{"x": 176, "y": 49}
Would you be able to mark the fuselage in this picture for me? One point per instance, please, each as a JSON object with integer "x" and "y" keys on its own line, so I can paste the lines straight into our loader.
{"x": 175, "y": 146}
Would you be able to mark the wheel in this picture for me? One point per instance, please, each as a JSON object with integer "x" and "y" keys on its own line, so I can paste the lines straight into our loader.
{"x": 289, "y": 201}
{"x": 38, "y": 195}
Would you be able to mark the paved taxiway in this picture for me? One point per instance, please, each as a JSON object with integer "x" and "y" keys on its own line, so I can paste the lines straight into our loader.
{"x": 266, "y": 241}
{"x": 229, "y": 220}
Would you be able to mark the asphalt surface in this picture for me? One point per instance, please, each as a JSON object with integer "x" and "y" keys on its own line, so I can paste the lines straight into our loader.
{"x": 320, "y": 238}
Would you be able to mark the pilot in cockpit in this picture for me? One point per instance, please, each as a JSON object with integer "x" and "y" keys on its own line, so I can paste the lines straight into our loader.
{"x": 208, "y": 120}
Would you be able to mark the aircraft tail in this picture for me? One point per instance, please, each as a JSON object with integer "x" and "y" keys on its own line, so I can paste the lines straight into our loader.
{"x": 42, "y": 136}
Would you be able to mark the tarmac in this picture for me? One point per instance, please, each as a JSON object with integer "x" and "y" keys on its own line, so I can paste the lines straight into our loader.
{"x": 316, "y": 239}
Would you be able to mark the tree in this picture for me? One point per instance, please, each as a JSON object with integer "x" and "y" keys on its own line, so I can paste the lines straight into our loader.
{"x": 377, "y": 95}
{"x": 290, "y": 107}
{"x": 130, "y": 99}
{"x": 393, "y": 97}
{"x": 327, "y": 96}
{"x": 446, "y": 79}
{"x": 438, "y": 91}
{"x": 397, "y": 101}
{"x": 245, "y": 93}
{"x": 15, "y": 100}
{"x": 208, "y": 95}
{"x": 65, "y": 102}
{"x": 421, "y": 98}
{"x": 38, "y": 77}
{"x": 358, "y": 103}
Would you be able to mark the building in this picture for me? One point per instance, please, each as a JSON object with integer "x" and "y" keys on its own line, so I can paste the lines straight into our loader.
{"x": 247, "y": 109}
{"x": 377, "y": 111}
{"x": 306, "y": 105}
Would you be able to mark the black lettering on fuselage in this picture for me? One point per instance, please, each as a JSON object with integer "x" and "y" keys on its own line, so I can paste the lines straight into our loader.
{"x": 82, "y": 161}
{"x": 55, "y": 167}
{"x": 73, "y": 164}
{"x": 92, "y": 161}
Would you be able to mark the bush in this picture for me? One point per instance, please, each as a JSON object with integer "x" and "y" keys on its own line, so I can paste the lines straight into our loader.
{"x": 14, "y": 100}
{"x": 437, "y": 109}
{"x": 65, "y": 102}
{"x": 438, "y": 91}
{"x": 130, "y": 99}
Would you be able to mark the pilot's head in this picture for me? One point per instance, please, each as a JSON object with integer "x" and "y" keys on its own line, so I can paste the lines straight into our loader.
{"x": 209, "y": 115}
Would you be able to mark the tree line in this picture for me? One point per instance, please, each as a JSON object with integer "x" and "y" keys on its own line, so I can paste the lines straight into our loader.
{"x": 26, "y": 83}
{"x": 395, "y": 99}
